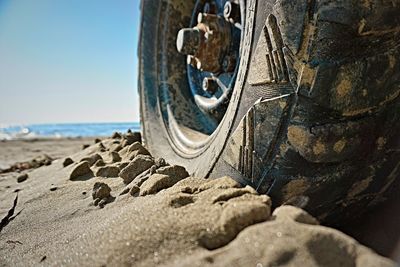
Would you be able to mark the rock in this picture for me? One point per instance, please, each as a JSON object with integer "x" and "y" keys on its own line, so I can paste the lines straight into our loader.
{"x": 134, "y": 146}
{"x": 160, "y": 162}
{"x": 132, "y": 138}
{"x": 138, "y": 165}
{"x": 129, "y": 131}
{"x": 157, "y": 182}
{"x": 176, "y": 172}
{"x": 134, "y": 190}
{"x": 97, "y": 140}
{"x": 53, "y": 188}
{"x": 122, "y": 165}
{"x": 108, "y": 171}
{"x": 101, "y": 191}
{"x": 99, "y": 163}
{"x": 115, "y": 157}
{"x": 82, "y": 169}
{"x": 116, "y": 135}
{"x": 67, "y": 162}
{"x": 294, "y": 214}
{"x": 140, "y": 151}
{"x": 92, "y": 159}
{"x": 85, "y": 146}
{"x": 22, "y": 178}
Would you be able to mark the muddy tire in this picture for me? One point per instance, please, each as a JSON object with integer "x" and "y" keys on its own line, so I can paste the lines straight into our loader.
{"x": 313, "y": 115}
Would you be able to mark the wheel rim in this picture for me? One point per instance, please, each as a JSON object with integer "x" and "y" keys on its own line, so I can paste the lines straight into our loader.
{"x": 191, "y": 122}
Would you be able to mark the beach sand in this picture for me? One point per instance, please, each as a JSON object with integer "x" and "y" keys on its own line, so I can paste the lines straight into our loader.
{"x": 79, "y": 212}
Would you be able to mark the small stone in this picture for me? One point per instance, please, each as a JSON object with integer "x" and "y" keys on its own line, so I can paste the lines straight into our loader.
{"x": 129, "y": 131}
{"x": 97, "y": 140}
{"x": 160, "y": 162}
{"x": 99, "y": 163}
{"x": 54, "y": 188}
{"x": 67, "y": 162}
{"x": 82, "y": 169}
{"x": 17, "y": 190}
{"x": 22, "y": 178}
{"x": 134, "y": 190}
{"x": 132, "y": 138}
{"x": 92, "y": 159}
{"x": 134, "y": 146}
{"x": 122, "y": 165}
{"x": 108, "y": 171}
{"x": 100, "y": 191}
{"x": 142, "y": 151}
{"x": 84, "y": 193}
{"x": 85, "y": 146}
{"x": 175, "y": 171}
{"x": 116, "y": 135}
{"x": 115, "y": 157}
{"x": 138, "y": 165}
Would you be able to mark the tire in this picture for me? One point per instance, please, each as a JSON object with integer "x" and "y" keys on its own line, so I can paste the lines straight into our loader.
{"x": 314, "y": 116}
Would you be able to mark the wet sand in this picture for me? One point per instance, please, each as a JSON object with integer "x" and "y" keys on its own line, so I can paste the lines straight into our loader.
{"x": 113, "y": 204}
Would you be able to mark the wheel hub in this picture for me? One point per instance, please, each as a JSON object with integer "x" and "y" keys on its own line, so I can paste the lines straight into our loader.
{"x": 207, "y": 44}
{"x": 212, "y": 45}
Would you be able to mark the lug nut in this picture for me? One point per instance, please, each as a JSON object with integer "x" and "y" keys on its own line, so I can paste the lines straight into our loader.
{"x": 188, "y": 41}
{"x": 210, "y": 85}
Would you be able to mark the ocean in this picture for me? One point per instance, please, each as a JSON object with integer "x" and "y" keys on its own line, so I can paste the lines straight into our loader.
{"x": 11, "y": 132}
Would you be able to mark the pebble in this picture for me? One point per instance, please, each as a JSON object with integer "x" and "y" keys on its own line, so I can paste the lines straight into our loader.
{"x": 108, "y": 171}
{"x": 67, "y": 162}
{"x": 22, "y": 178}
{"x": 115, "y": 157}
{"x": 132, "y": 138}
{"x": 100, "y": 191}
{"x": 173, "y": 171}
{"x": 92, "y": 159}
{"x": 54, "y": 188}
{"x": 97, "y": 140}
{"x": 99, "y": 163}
{"x": 134, "y": 190}
{"x": 116, "y": 135}
{"x": 81, "y": 169}
{"x": 138, "y": 165}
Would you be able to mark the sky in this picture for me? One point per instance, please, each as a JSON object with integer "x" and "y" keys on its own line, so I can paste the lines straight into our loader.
{"x": 68, "y": 61}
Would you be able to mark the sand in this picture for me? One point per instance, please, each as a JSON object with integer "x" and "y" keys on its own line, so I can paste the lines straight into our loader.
{"x": 85, "y": 215}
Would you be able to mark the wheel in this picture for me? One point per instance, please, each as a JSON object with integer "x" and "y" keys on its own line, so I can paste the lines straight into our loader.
{"x": 299, "y": 99}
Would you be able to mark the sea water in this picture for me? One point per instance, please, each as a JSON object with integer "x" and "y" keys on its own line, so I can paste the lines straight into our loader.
{"x": 11, "y": 132}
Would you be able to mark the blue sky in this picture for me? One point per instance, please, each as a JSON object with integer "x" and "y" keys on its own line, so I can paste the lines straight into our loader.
{"x": 68, "y": 61}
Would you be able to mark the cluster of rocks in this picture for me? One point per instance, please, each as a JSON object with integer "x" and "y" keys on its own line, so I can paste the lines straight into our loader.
{"x": 124, "y": 156}
{"x": 42, "y": 160}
